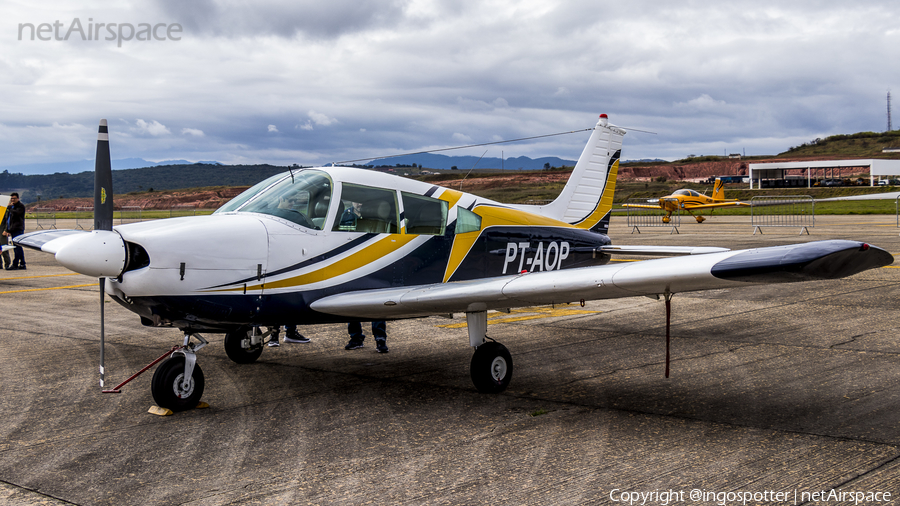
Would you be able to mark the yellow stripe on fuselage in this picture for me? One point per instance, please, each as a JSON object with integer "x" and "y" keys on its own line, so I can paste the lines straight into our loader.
{"x": 492, "y": 216}
{"x": 606, "y": 200}
{"x": 381, "y": 248}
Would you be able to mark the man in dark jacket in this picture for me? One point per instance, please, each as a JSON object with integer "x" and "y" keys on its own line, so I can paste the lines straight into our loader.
{"x": 15, "y": 226}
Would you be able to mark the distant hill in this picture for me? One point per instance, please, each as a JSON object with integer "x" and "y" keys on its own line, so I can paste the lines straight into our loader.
{"x": 858, "y": 145}
{"x": 432, "y": 161}
{"x": 77, "y": 166}
{"x": 163, "y": 177}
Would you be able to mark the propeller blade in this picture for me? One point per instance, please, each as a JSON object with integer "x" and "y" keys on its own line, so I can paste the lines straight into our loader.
{"x": 103, "y": 191}
{"x": 103, "y": 220}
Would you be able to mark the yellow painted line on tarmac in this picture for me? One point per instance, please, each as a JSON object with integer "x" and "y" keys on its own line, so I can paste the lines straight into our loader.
{"x": 42, "y": 276}
{"x": 525, "y": 314}
{"x": 50, "y": 288}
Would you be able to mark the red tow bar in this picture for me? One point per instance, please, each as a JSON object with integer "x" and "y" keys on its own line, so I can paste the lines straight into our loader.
{"x": 116, "y": 390}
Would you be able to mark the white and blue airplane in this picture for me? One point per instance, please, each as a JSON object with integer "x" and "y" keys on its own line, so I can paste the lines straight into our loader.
{"x": 339, "y": 244}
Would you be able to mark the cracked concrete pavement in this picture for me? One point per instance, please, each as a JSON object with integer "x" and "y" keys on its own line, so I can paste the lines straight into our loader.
{"x": 791, "y": 388}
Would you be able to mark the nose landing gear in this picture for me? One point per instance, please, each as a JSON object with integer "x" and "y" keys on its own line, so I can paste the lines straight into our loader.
{"x": 178, "y": 381}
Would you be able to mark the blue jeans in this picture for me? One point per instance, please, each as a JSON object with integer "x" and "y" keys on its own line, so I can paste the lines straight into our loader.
{"x": 379, "y": 330}
{"x": 18, "y": 251}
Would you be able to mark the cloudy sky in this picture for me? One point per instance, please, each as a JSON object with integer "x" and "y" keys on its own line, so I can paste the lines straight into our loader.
{"x": 312, "y": 82}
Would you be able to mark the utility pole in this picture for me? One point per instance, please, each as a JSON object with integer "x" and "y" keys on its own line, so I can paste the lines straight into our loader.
{"x": 890, "y": 127}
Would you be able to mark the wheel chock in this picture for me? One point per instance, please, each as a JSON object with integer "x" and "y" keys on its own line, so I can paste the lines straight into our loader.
{"x": 201, "y": 405}
{"x": 156, "y": 410}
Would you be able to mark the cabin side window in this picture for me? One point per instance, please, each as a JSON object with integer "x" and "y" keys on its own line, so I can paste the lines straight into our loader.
{"x": 367, "y": 209}
{"x": 424, "y": 215}
{"x": 467, "y": 221}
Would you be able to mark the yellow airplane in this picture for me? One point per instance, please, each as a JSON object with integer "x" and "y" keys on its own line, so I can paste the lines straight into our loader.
{"x": 690, "y": 200}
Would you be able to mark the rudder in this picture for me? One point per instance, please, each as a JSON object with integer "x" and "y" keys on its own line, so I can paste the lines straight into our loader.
{"x": 586, "y": 200}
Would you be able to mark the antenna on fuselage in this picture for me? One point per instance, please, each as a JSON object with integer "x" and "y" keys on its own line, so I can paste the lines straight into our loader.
{"x": 470, "y": 170}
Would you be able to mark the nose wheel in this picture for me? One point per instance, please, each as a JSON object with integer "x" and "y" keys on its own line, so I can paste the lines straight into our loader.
{"x": 175, "y": 388}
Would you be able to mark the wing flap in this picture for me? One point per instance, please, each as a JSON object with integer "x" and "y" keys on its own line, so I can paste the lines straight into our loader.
{"x": 779, "y": 264}
{"x": 660, "y": 250}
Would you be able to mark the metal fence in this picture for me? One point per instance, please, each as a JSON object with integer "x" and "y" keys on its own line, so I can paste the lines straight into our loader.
{"x": 637, "y": 217}
{"x": 176, "y": 211}
{"x": 128, "y": 214}
{"x": 897, "y": 207}
{"x": 785, "y": 211}
{"x": 84, "y": 218}
{"x": 44, "y": 218}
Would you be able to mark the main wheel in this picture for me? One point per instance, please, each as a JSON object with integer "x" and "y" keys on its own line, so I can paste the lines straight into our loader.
{"x": 168, "y": 389}
{"x": 238, "y": 347}
{"x": 491, "y": 368}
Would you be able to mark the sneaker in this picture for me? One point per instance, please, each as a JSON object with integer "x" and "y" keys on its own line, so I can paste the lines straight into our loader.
{"x": 22, "y": 267}
{"x": 354, "y": 344}
{"x": 273, "y": 343}
{"x": 295, "y": 338}
{"x": 381, "y": 346}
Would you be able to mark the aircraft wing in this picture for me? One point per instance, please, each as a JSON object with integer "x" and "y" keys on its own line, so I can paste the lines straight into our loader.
{"x": 717, "y": 204}
{"x": 778, "y": 264}
{"x": 660, "y": 250}
{"x": 642, "y": 206}
{"x": 37, "y": 240}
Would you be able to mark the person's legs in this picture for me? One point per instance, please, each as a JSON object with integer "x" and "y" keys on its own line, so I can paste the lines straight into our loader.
{"x": 19, "y": 259}
{"x": 379, "y": 332}
{"x": 292, "y": 336}
{"x": 356, "y": 336}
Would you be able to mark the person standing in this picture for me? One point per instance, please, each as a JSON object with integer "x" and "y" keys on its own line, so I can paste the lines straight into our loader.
{"x": 15, "y": 226}
{"x": 379, "y": 332}
{"x": 291, "y": 336}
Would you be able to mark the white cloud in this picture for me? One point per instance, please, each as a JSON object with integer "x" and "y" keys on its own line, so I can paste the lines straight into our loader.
{"x": 411, "y": 74}
{"x": 154, "y": 128}
{"x": 463, "y": 138}
{"x": 273, "y": 129}
{"x": 321, "y": 119}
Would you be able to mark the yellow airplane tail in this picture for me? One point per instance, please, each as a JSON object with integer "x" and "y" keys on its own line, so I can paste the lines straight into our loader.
{"x": 586, "y": 200}
{"x": 719, "y": 190}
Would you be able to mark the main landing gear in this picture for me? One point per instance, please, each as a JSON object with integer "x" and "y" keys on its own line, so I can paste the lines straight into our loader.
{"x": 492, "y": 366}
{"x": 245, "y": 345}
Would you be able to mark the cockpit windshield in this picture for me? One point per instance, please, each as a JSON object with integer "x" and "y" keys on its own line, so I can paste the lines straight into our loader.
{"x": 303, "y": 199}
{"x": 689, "y": 193}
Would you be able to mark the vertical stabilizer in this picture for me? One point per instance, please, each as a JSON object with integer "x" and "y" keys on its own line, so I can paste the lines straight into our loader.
{"x": 103, "y": 201}
{"x": 586, "y": 200}
{"x": 719, "y": 189}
